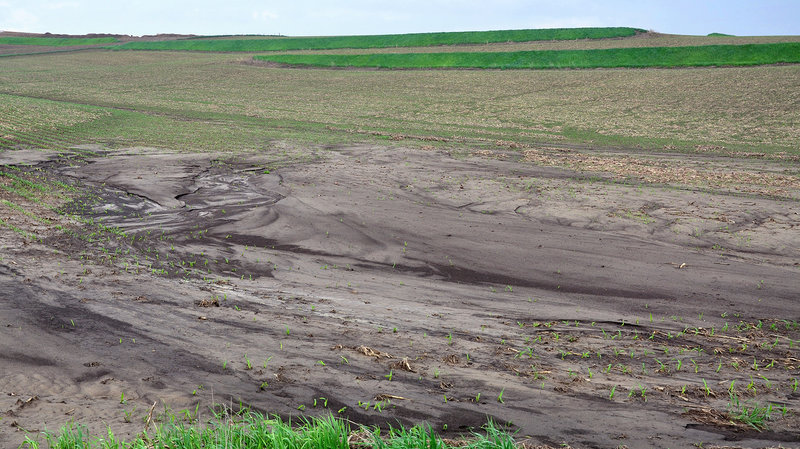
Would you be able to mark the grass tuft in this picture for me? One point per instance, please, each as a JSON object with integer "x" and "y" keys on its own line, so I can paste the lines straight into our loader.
{"x": 250, "y": 430}
{"x": 753, "y": 414}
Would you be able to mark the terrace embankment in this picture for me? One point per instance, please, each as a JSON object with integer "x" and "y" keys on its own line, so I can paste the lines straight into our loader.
{"x": 395, "y": 285}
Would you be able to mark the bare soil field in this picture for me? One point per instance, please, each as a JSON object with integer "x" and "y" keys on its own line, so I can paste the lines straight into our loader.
{"x": 619, "y": 302}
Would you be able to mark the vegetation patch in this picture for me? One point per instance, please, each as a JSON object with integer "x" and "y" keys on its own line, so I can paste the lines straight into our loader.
{"x": 56, "y": 41}
{"x": 254, "y": 431}
{"x": 694, "y": 56}
{"x": 383, "y": 41}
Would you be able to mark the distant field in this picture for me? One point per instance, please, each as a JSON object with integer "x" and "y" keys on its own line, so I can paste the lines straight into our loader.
{"x": 381, "y": 41}
{"x": 42, "y": 123}
{"x": 709, "y": 55}
{"x": 175, "y": 99}
{"x": 56, "y": 41}
{"x": 638, "y": 41}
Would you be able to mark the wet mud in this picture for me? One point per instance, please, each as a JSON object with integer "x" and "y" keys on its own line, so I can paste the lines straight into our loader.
{"x": 393, "y": 285}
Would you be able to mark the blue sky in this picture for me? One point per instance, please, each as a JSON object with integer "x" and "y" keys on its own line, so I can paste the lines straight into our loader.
{"x": 317, "y": 17}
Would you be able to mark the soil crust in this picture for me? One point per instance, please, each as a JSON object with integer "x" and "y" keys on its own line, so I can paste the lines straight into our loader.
{"x": 393, "y": 285}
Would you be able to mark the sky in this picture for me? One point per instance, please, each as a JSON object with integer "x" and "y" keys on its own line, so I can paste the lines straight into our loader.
{"x": 348, "y": 17}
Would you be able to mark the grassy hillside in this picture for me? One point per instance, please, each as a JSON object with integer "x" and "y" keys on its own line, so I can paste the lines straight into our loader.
{"x": 709, "y": 55}
{"x": 382, "y": 41}
{"x": 56, "y": 41}
{"x": 638, "y": 41}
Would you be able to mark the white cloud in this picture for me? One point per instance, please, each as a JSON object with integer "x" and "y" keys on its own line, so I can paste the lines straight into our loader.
{"x": 19, "y": 20}
{"x": 571, "y": 22}
{"x": 264, "y": 15}
{"x": 61, "y": 5}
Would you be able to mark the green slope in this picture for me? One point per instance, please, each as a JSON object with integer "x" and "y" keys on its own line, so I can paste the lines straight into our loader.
{"x": 708, "y": 55}
{"x": 56, "y": 41}
{"x": 381, "y": 41}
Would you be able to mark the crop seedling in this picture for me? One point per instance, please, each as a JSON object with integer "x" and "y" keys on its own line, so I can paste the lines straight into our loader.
{"x": 128, "y": 415}
{"x": 500, "y": 396}
{"x": 753, "y": 414}
{"x": 751, "y": 386}
{"x": 706, "y": 389}
{"x": 767, "y": 382}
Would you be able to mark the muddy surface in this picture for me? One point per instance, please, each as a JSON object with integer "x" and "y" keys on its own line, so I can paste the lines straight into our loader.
{"x": 392, "y": 285}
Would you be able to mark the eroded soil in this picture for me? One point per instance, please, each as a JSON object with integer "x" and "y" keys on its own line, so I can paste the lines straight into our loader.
{"x": 385, "y": 285}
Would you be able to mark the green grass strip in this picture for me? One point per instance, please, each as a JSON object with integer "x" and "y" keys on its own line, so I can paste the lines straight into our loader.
{"x": 710, "y": 55}
{"x": 56, "y": 41}
{"x": 381, "y": 41}
{"x": 22, "y": 232}
{"x": 21, "y": 209}
{"x": 25, "y": 182}
{"x": 253, "y": 431}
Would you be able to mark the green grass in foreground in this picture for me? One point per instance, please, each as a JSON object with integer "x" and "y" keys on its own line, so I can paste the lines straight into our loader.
{"x": 56, "y": 41}
{"x": 253, "y": 431}
{"x": 708, "y": 55}
{"x": 381, "y": 41}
